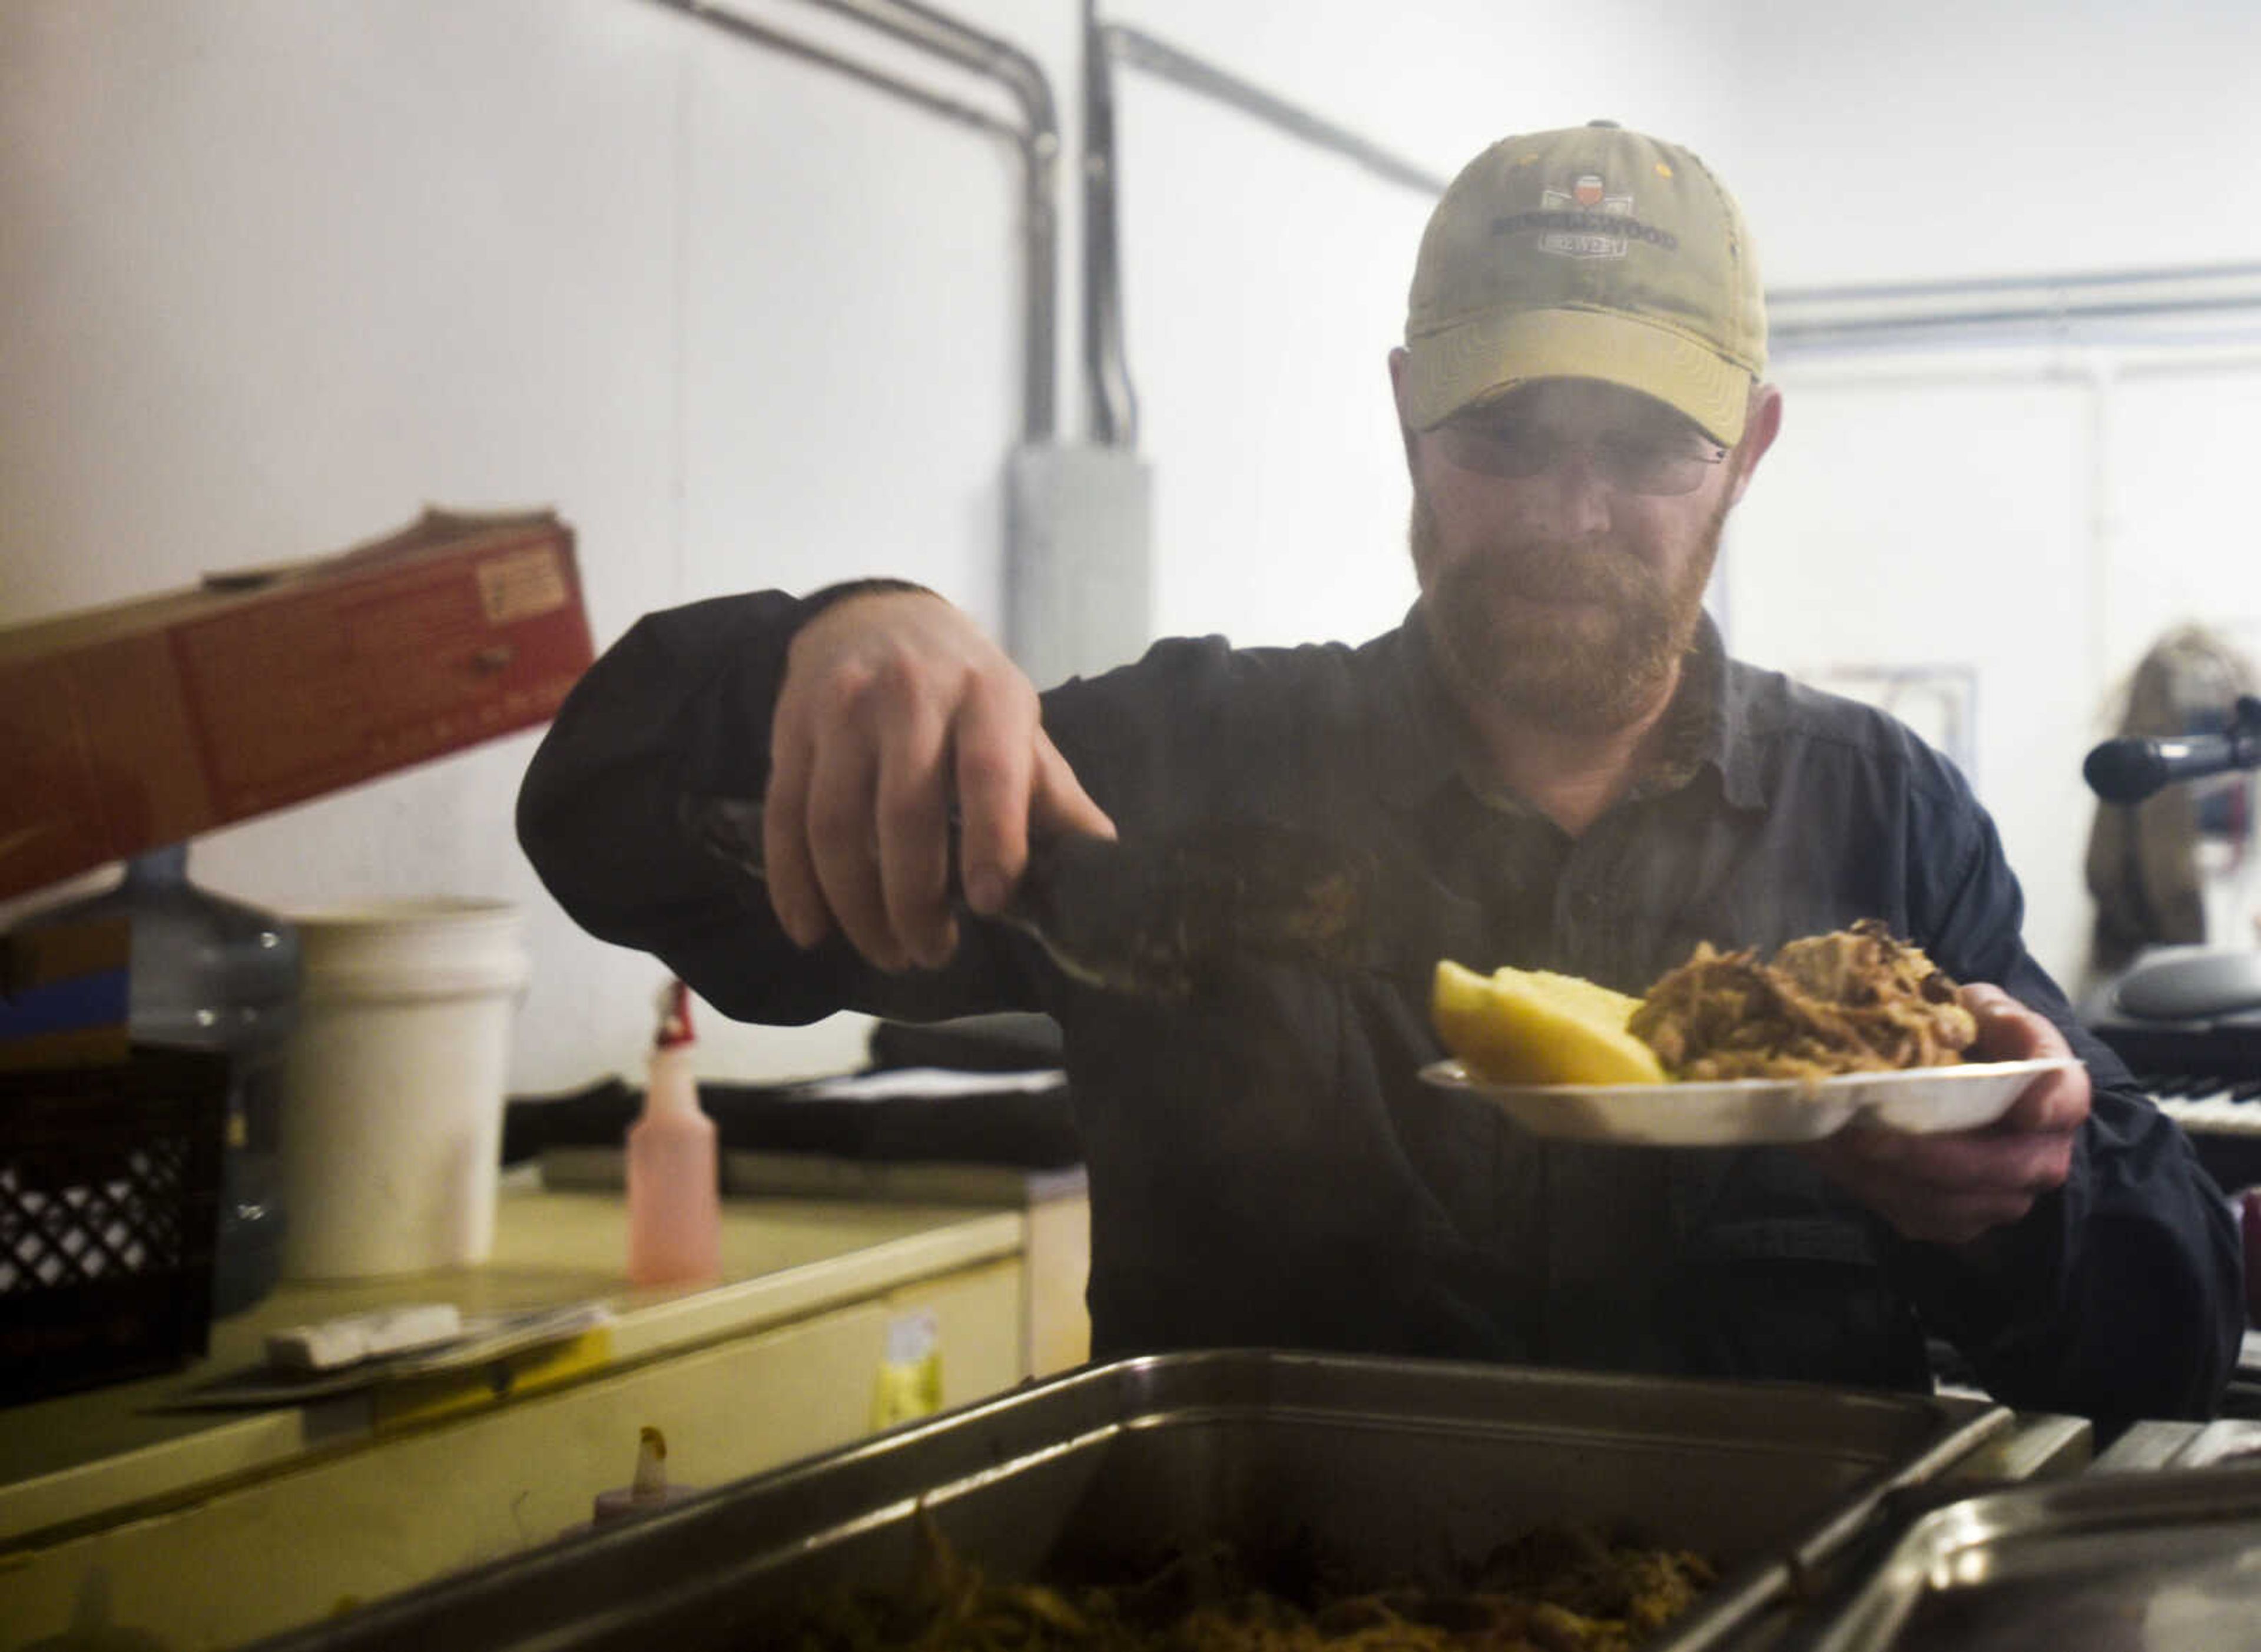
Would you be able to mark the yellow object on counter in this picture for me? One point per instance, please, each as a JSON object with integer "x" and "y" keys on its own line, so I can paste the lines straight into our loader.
{"x": 1519, "y": 1026}
{"x": 909, "y": 1381}
{"x": 415, "y": 1400}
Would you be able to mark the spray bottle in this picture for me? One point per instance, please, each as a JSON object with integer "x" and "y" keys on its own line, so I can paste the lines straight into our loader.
{"x": 675, "y": 1215}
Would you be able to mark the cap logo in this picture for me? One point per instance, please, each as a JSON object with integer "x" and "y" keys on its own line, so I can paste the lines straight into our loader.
{"x": 1584, "y": 221}
{"x": 1582, "y": 207}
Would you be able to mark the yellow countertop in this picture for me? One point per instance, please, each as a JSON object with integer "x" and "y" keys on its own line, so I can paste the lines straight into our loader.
{"x": 91, "y": 1457}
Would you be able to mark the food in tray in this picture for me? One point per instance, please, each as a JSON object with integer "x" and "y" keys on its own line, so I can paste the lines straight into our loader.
{"x": 1853, "y": 1001}
{"x": 1556, "y": 1588}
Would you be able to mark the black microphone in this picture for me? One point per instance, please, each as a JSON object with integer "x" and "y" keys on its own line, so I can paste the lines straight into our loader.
{"x": 2129, "y": 771}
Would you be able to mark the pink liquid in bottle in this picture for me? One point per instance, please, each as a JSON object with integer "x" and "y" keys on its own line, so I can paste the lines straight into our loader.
{"x": 675, "y": 1210}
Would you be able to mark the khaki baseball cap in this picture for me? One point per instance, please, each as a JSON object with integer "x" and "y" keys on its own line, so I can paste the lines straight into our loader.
{"x": 1589, "y": 252}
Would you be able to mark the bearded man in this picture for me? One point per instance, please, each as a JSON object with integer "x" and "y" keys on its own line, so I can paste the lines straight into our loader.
{"x": 1565, "y": 771}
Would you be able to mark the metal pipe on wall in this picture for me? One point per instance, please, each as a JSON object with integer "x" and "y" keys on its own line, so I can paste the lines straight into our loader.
{"x": 1157, "y": 57}
{"x": 1114, "y": 404}
{"x": 792, "y": 46}
{"x": 1036, "y": 137}
{"x": 1807, "y": 320}
{"x": 1113, "y": 398}
{"x": 1077, "y": 568}
{"x": 1802, "y": 321}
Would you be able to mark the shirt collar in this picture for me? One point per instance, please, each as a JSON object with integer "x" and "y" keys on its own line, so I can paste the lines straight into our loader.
{"x": 1413, "y": 745}
{"x": 1421, "y": 731}
{"x": 1733, "y": 741}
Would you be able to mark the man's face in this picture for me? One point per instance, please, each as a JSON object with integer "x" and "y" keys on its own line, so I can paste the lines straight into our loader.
{"x": 1562, "y": 592}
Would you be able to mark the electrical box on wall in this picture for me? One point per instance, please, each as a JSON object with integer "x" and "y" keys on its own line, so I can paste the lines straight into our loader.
{"x": 128, "y": 727}
{"x": 1079, "y": 562}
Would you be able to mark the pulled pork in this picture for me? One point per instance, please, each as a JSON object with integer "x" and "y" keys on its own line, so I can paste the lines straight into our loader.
{"x": 1855, "y": 1001}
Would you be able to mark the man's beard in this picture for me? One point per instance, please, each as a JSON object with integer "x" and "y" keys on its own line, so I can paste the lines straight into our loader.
{"x": 1593, "y": 668}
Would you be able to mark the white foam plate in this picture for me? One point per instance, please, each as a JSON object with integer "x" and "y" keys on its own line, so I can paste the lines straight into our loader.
{"x": 1734, "y": 1112}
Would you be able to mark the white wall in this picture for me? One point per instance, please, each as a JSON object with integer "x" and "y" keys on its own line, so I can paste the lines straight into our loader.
{"x": 1939, "y": 138}
{"x": 278, "y": 272}
{"x": 2042, "y": 514}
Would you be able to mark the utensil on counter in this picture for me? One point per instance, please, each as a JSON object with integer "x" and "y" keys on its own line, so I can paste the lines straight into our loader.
{"x": 1148, "y": 917}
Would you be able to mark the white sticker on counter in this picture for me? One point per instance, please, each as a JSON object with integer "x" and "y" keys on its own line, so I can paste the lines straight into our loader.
{"x": 909, "y": 1381}
{"x": 896, "y": 1083}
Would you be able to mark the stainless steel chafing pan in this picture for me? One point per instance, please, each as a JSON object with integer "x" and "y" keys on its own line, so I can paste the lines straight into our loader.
{"x": 2169, "y": 1561}
{"x": 2174, "y": 1445}
{"x": 1390, "y": 1468}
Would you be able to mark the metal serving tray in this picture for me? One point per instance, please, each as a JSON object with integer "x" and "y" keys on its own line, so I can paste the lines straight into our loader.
{"x": 1392, "y": 1467}
{"x": 2168, "y": 1561}
{"x": 2150, "y": 1445}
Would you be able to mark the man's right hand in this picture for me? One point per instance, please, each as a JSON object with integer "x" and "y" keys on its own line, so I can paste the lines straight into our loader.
{"x": 894, "y": 703}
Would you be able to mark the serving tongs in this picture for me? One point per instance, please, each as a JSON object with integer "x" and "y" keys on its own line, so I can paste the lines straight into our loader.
{"x": 1153, "y": 917}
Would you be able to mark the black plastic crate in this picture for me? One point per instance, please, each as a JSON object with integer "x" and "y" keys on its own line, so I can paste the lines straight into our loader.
{"x": 110, "y": 1182}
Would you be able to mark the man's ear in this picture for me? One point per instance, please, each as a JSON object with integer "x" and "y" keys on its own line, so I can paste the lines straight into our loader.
{"x": 1398, "y": 390}
{"x": 1761, "y": 424}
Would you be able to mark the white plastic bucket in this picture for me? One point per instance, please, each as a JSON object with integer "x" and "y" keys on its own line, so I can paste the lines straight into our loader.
{"x": 393, "y": 1086}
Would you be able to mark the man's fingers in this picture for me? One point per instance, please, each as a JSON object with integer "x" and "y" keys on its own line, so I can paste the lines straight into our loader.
{"x": 844, "y": 847}
{"x": 1060, "y": 803}
{"x": 1964, "y": 1161}
{"x": 913, "y": 817}
{"x": 993, "y": 755}
{"x": 1947, "y": 1189}
{"x": 2007, "y": 1031}
{"x": 794, "y": 894}
{"x": 1952, "y": 1221}
{"x": 889, "y": 697}
{"x": 2055, "y": 1103}
{"x": 1917, "y": 1209}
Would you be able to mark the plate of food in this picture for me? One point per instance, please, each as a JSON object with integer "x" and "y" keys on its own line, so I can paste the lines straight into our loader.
{"x": 1728, "y": 1049}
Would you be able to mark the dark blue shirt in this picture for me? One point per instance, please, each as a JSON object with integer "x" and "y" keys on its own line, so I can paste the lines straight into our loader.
{"x": 1266, "y": 1166}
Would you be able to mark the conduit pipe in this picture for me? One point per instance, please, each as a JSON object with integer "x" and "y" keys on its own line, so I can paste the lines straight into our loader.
{"x": 1114, "y": 409}
{"x": 1037, "y": 136}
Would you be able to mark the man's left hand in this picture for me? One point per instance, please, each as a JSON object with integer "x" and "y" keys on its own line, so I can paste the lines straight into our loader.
{"x": 1949, "y": 1190}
